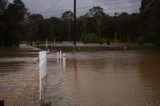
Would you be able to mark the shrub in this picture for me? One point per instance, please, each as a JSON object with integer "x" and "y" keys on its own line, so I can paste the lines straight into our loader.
{"x": 91, "y": 38}
{"x": 140, "y": 40}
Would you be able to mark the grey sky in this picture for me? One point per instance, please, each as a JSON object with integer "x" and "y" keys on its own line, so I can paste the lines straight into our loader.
{"x": 56, "y": 7}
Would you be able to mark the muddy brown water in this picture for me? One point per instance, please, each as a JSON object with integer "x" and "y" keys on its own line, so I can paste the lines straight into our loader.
{"x": 19, "y": 76}
{"x": 108, "y": 78}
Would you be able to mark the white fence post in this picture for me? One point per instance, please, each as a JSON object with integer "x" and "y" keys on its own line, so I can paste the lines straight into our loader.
{"x": 57, "y": 55}
{"x": 60, "y": 54}
{"x": 42, "y": 70}
{"x": 64, "y": 62}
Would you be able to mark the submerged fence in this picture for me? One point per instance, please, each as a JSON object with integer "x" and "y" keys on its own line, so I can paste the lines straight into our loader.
{"x": 42, "y": 73}
{"x": 39, "y": 70}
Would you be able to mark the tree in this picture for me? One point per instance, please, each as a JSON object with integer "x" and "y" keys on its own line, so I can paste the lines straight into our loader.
{"x": 98, "y": 14}
{"x": 16, "y": 24}
{"x": 35, "y": 20}
{"x": 154, "y": 22}
{"x": 13, "y": 18}
{"x": 83, "y": 21}
{"x": 68, "y": 17}
{"x": 144, "y": 16}
{"x": 3, "y": 6}
{"x": 53, "y": 27}
{"x": 150, "y": 18}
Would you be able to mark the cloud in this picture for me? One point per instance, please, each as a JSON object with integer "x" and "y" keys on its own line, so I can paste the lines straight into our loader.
{"x": 56, "y": 7}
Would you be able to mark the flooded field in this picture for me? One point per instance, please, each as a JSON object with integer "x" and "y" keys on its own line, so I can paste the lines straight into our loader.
{"x": 19, "y": 76}
{"x": 111, "y": 78}
{"x": 102, "y": 78}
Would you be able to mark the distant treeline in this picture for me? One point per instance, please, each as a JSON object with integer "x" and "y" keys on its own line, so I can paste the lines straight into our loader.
{"x": 17, "y": 24}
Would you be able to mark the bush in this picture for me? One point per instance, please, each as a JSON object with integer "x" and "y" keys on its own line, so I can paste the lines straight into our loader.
{"x": 91, "y": 38}
{"x": 140, "y": 40}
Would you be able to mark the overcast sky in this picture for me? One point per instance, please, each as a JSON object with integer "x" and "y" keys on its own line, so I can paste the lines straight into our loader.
{"x": 56, "y": 7}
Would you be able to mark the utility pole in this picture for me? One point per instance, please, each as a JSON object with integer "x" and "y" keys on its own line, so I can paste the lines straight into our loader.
{"x": 75, "y": 23}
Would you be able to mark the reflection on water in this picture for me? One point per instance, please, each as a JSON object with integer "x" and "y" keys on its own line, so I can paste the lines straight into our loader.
{"x": 19, "y": 76}
{"x": 111, "y": 78}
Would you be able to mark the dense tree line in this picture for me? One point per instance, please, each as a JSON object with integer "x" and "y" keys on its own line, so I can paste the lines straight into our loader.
{"x": 118, "y": 28}
{"x": 150, "y": 19}
{"x": 16, "y": 25}
{"x": 11, "y": 22}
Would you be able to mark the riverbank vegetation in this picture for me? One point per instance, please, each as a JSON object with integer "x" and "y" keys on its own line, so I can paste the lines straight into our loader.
{"x": 17, "y": 24}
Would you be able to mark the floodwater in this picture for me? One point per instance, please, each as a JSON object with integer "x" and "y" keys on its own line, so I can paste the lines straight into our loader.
{"x": 19, "y": 76}
{"x": 108, "y": 78}
{"x": 111, "y": 78}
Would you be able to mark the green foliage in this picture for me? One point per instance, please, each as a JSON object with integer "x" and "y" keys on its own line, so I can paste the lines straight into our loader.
{"x": 68, "y": 15}
{"x": 154, "y": 22}
{"x": 144, "y": 5}
{"x": 150, "y": 17}
{"x": 116, "y": 40}
{"x": 140, "y": 40}
{"x": 3, "y": 6}
{"x": 11, "y": 21}
{"x": 95, "y": 26}
{"x": 67, "y": 20}
{"x": 91, "y": 38}
{"x": 98, "y": 15}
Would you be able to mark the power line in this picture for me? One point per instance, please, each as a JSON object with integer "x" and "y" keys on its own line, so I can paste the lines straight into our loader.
{"x": 91, "y": 6}
{"x": 128, "y": 7}
{"x": 121, "y": 8}
{"x": 111, "y": 4}
{"x": 109, "y": 10}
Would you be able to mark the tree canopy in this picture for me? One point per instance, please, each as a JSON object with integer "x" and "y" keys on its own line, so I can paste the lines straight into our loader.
{"x": 16, "y": 25}
{"x": 11, "y": 19}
